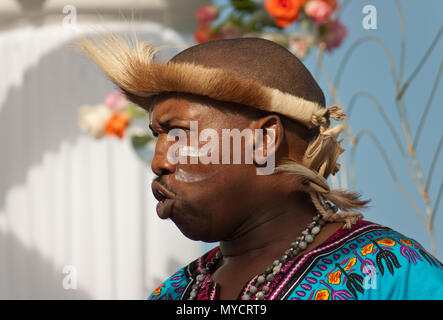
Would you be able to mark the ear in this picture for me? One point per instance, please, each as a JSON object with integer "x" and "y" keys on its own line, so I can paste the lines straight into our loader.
{"x": 268, "y": 135}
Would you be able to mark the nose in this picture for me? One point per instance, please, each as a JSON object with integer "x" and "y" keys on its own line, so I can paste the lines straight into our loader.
{"x": 160, "y": 164}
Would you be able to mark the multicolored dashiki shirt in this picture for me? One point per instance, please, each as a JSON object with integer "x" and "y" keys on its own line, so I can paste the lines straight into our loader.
{"x": 369, "y": 261}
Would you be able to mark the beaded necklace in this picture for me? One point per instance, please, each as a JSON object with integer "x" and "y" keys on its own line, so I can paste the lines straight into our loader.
{"x": 265, "y": 280}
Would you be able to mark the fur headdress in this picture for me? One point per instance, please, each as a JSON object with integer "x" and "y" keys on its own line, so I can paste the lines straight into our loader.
{"x": 141, "y": 77}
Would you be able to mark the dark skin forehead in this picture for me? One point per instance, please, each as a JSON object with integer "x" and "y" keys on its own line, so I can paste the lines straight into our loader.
{"x": 235, "y": 109}
{"x": 192, "y": 108}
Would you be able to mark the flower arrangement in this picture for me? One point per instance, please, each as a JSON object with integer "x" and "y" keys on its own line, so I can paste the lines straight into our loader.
{"x": 298, "y": 25}
{"x": 114, "y": 117}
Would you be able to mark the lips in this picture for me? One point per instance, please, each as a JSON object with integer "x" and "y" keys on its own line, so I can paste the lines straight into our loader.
{"x": 165, "y": 199}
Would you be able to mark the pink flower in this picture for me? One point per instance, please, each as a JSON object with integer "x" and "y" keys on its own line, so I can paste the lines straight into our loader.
{"x": 319, "y": 10}
{"x": 116, "y": 101}
{"x": 335, "y": 34}
{"x": 206, "y": 14}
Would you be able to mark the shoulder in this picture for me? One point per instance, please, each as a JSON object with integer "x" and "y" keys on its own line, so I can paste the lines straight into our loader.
{"x": 407, "y": 269}
{"x": 175, "y": 287}
{"x": 371, "y": 261}
{"x": 172, "y": 288}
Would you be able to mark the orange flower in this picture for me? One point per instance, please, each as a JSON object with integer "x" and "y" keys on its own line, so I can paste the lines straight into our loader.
{"x": 387, "y": 242}
{"x": 322, "y": 295}
{"x": 282, "y": 22}
{"x": 284, "y": 11}
{"x": 367, "y": 249}
{"x": 117, "y": 124}
{"x": 334, "y": 278}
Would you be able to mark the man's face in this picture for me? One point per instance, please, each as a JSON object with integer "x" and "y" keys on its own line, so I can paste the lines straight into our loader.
{"x": 206, "y": 201}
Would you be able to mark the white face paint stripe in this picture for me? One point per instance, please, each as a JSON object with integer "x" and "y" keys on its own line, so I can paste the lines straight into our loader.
{"x": 188, "y": 177}
{"x": 191, "y": 151}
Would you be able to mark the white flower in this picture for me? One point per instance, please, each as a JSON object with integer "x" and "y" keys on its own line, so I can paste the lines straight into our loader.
{"x": 92, "y": 119}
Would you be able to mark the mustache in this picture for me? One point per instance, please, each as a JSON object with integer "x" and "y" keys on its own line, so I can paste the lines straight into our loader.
{"x": 161, "y": 181}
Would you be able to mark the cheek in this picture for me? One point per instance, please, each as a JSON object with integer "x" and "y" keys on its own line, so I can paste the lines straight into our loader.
{"x": 193, "y": 210}
{"x": 209, "y": 209}
{"x": 189, "y": 176}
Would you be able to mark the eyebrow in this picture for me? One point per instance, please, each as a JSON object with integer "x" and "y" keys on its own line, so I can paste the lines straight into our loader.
{"x": 167, "y": 123}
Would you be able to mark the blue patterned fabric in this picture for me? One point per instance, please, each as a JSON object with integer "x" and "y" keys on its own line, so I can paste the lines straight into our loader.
{"x": 368, "y": 261}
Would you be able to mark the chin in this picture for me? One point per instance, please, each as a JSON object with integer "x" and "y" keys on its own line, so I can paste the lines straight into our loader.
{"x": 190, "y": 226}
{"x": 196, "y": 231}
{"x": 190, "y": 232}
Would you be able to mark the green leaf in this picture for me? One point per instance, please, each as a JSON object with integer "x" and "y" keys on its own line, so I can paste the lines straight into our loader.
{"x": 140, "y": 141}
{"x": 244, "y": 5}
{"x": 135, "y": 111}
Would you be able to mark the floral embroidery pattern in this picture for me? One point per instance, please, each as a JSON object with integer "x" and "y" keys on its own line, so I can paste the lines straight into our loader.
{"x": 354, "y": 282}
{"x": 407, "y": 242}
{"x": 172, "y": 288}
{"x": 346, "y": 267}
{"x": 356, "y": 270}
{"x": 388, "y": 257}
{"x": 334, "y": 278}
{"x": 387, "y": 242}
{"x": 350, "y": 264}
{"x": 338, "y": 294}
{"x": 157, "y": 291}
{"x": 408, "y": 252}
{"x": 322, "y": 295}
{"x": 367, "y": 249}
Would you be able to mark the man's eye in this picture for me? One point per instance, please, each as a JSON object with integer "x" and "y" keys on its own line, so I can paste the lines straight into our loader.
{"x": 154, "y": 133}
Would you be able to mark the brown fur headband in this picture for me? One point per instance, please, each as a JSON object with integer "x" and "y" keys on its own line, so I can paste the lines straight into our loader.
{"x": 134, "y": 70}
